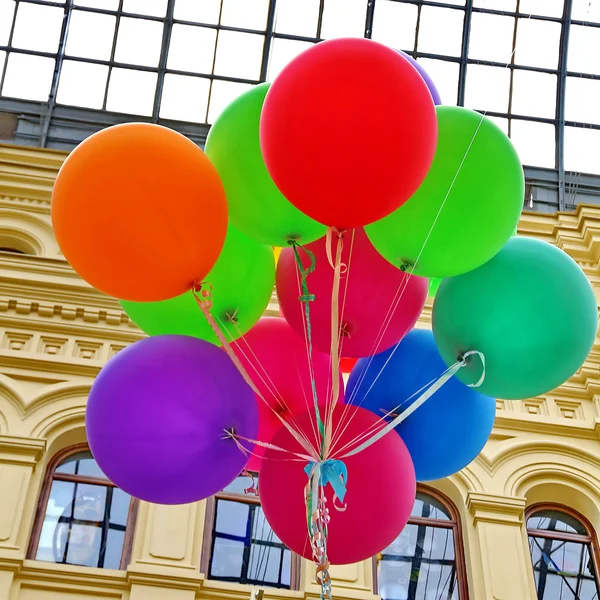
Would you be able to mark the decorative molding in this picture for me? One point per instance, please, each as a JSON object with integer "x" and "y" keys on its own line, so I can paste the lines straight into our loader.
{"x": 21, "y": 450}
{"x": 492, "y": 508}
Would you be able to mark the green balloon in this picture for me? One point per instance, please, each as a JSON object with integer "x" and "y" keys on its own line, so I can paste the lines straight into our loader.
{"x": 256, "y": 207}
{"x": 242, "y": 282}
{"x": 530, "y": 310}
{"x": 467, "y": 206}
{"x": 434, "y": 285}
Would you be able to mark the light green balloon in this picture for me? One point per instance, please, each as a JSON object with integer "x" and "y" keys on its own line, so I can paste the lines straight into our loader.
{"x": 242, "y": 283}
{"x": 477, "y": 181}
{"x": 530, "y": 310}
{"x": 256, "y": 207}
{"x": 434, "y": 285}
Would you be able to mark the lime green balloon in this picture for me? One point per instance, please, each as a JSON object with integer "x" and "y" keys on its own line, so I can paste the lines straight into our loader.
{"x": 242, "y": 283}
{"x": 256, "y": 207}
{"x": 530, "y": 310}
{"x": 467, "y": 206}
{"x": 434, "y": 285}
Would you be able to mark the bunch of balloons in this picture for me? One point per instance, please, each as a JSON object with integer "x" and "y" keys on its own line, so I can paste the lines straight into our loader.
{"x": 376, "y": 195}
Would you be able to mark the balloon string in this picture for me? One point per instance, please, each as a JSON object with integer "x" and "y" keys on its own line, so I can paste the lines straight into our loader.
{"x": 204, "y": 302}
{"x": 237, "y": 438}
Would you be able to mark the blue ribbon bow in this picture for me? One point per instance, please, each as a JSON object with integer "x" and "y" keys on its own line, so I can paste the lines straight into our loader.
{"x": 332, "y": 472}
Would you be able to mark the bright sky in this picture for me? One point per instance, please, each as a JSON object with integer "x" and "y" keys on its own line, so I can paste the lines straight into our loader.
{"x": 205, "y": 50}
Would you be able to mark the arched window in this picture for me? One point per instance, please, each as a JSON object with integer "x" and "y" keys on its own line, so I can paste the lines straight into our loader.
{"x": 564, "y": 554}
{"x": 239, "y": 544}
{"x": 83, "y": 519}
{"x": 426, "y": 559}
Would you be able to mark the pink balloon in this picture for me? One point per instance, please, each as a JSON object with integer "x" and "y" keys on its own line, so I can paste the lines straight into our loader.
{"x": 276, "y": 359}
{"x": 380, "y": 494}
{"x": 369, "y": 288}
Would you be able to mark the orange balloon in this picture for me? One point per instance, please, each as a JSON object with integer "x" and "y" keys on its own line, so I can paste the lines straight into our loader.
{"x": 139, "y": 212}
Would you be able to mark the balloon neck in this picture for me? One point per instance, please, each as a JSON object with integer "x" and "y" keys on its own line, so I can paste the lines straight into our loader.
{"x": 346, "y": 329}
{"x": 406, "y": 267}
{"x": 466, "y": 357}
{"x": 231, "y": 317}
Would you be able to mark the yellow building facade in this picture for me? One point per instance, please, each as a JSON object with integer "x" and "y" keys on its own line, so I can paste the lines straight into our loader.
{"x": 56, "y": 332}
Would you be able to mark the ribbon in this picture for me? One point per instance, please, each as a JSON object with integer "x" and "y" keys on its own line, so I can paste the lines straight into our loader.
{"x": 332, "y": 472}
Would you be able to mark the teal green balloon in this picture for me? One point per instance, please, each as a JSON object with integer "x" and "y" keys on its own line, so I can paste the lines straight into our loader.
{"x": 256, "y": 207}
{"x": 467, "y": 206}
{"x": 530, "y": 310}
{"x": 242, "y": 283}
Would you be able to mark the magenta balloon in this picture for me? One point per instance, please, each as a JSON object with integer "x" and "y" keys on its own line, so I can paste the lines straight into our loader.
{"x": 367, "y": 292}
{"x": 156, "y": 414}
{"x": 277, "y": 361}
{"x": 428, "y": 81}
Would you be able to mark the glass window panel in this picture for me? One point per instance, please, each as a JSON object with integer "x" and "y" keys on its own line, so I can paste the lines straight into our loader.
{"x": 297, "y": 17}
{"x": 222, "y": 93}
{"x": 427, "y": 506}
{"x": 344, "y": 18}
{"x": 549, "y": 8}
{"x": 582, "y": 102}
{"x": 261, "y": 530}
{"x": 2, "y": 58}
{"x": 90, "y": 35}
{"x": 491, "y": 37}
{"x": 28, "y": 77}
{"x": 192, "y": 48}
{"x": 69, "y": 464}
{"x": 537, "y": 43}
{"x": 239, "y": 54}
{"x": 264, "y": 563}
{"x": 7, "y": 9}
{"x": 131, "y": 91}
{"x": 90, "y": 95}
{"x": 586, "y": 10}
{"x": 553, "y": 520}
{"x": 534, "y": 94}
{"x": 206, "y": 11}
{"x": 248, "y": 14}
{"x": 89, "y": 467}
{"x": 393, "y": 578}
{"x": 114, "y": 549}
{"x": 487, "y": 88}
{"x": 227, "y": 558}
{"x": 139, "y": 42}
{"x": 238, "y": 485}
{"x": 38, "y": 27}
{"x": 286, "y": 568}
{"x": 154, "y": 8}
{"x": 90, "y": 502}
{"x": 185, "y": 98}
{"x": 119, "y": 507}
{"x": 535, "y": 143}
{"x": 395, "y": 24}
{"x": 508, "y": 5}
{"x": 282, "y": 52}
{"x": 445, "y": 76}
{"x": 232, "y": 518}
{"x": 581, "y": 150}
{"x": 105, "y": 4}
{"x": 584, "y": 49}
{"x": 84, "y": 545}
{"x": 440, "y": 30}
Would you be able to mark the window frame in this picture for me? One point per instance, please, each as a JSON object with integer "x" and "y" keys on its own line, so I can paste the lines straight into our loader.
{"x": 207, "y": 541}
{"x": 454, "y": 523}
{"x": 591, "y": 538}
{"x": 50, "y": 476}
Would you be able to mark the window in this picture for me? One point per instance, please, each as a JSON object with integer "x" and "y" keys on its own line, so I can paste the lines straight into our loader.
{"x": 239, "y": 544}
{"x": 564, "y": 554}
{"x": 426, "y": 559}
{"x": 83, "y": 519}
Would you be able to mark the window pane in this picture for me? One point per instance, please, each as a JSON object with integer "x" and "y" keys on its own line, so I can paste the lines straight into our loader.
{"x": 248, "y": 14}
{"x": 487, "y": 88}
{"x": 286, "y": 569}
{"x": 264, "y": 563}
{"x": 282, "y": 52}
{"x": 584, "y": 10}
{"x": 238, "y": 485}
{"x": 428, "y": 507}
{"x": 578, "y": 157}
{"x": 553, "y": 520}
{"x": 440, "y": 30}
{"x": 395, "y": 24}
{"x": 38, "y": 27}
{"x": 584, "y": 48}
{"x": 261, "y": 530}
{"x": 90, "y": 35}
{"x": 491, "y": 37}
{"x": 508, "y": 5}
{"x": 7, "y": 10}
{"x": 89, "y": 467}
{"x": 227, "y": 558}
{"x": 502, "y": 123}
{"x": 582, "y": 102}
{"x": 119, "y": 507}
{"x": 185, "y": 98}
{"x": 114, "y": 549}
{"x": 543, "y": 52}
{"x": 297, "y": 17}
{"x": 222, "y": 93}
{"x": 549, "y": 8}
{"x": 232, "y": 518}
{"x": 90, "y": 95}
{"x": 206, "y": 11}
{"x": 154, "y": 8}
{"x": 192, "y": 48}
{"x": 534, "y": 94}
{"x": 239, "y": 54}
{"x": 105, "y": 4}
{"x": 445, "y": 76}
{"x": 60, "y": 504}
{"x": 83, "y": 544}
{"x": 131, "y": 91}
{"x": 344, "y": 18}
{"x": 139, "y": 42}
{"x": 535, "y": 143}
{"x": 28, "y": 77}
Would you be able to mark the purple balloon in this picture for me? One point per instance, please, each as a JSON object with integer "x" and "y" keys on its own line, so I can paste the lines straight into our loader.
{"x": 156, "y": 417}
{"x": 429, "y": 82}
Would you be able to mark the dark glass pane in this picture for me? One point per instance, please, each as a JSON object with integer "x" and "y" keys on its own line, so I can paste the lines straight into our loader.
{"x": 232, "y": 518}
{"x": 553, "y": 520}
{"x": 428, "y": 507}
{"x": 227, "y": 558}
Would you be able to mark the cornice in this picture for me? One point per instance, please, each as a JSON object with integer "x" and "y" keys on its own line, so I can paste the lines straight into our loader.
{"x": 21, "y": 450}
{"x": 492, "y": 508}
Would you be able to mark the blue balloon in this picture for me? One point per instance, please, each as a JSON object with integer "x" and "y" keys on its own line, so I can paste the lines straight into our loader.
{"x": 444, "y": 434}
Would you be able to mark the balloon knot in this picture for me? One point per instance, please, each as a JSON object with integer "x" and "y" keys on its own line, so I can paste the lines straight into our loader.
{"x": 406, "y": 267}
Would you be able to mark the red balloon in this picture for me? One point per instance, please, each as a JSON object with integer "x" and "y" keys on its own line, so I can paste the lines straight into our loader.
{"x": 277, "y": 361}
{"x": 348, "y": 131}
{"x": 369, "y": 288}
{"x": 381, "y": 490}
